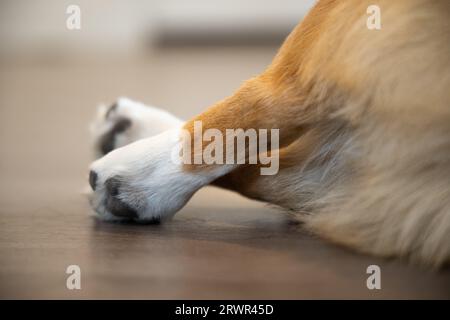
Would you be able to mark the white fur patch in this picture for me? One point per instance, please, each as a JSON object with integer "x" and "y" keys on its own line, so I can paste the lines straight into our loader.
{"x": 151, "y": 183}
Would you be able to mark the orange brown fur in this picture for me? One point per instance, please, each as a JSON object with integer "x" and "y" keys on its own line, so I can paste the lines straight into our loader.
{"x": 364, "y": 121}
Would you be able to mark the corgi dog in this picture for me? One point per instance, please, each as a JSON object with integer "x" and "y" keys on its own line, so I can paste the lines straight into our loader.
{"x": 363, "y": 135}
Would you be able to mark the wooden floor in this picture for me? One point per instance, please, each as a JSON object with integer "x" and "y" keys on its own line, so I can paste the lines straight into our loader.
{"x": 219, "y": 246}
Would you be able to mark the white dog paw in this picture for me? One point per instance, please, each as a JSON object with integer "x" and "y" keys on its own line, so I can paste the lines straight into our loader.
{"x": 143, "y": 181}
{"x": 127, "y": 121}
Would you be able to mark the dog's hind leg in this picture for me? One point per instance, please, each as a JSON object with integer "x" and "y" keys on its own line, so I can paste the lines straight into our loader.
{"x": 140, "y": 181}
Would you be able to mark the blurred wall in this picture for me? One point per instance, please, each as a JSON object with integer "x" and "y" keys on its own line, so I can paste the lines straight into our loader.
{"x": 120, "y": 26}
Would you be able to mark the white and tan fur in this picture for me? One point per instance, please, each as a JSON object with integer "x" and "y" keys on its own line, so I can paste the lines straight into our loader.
{"x": 364, "y": 121}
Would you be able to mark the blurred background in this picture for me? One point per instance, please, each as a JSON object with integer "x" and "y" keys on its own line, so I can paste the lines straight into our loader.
{"x": 182, "y": 56}
{"x": 178, "y": 55}
{"x": 128, "y": 27}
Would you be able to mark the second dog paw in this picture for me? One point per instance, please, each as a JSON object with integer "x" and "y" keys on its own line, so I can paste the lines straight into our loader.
{"x": 126, "y": 121}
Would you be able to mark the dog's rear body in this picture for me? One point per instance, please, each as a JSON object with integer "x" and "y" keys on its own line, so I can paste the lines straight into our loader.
{"x": 364, "y": 121}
